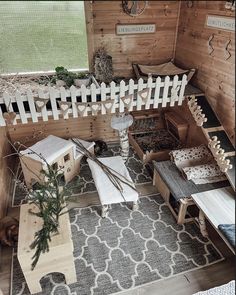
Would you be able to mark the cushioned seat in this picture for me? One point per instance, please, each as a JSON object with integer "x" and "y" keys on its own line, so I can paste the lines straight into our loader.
{"x": 228, "y": 230}
{"x": 178, "y": 185}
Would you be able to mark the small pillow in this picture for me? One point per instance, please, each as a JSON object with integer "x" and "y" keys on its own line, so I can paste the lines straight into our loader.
{"x": 191, "y": 156}
{"x": 202, "y": 171}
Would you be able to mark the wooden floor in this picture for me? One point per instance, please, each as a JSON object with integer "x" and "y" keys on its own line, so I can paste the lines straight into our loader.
{"x": 183, "y": 284}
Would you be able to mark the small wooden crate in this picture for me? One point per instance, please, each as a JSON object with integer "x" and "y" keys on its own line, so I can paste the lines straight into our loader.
{"x": 176, "y": 125}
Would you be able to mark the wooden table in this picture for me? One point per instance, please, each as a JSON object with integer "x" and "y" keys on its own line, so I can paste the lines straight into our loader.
{"x": 58, "y": 259}
{"x": 218, "y": 207}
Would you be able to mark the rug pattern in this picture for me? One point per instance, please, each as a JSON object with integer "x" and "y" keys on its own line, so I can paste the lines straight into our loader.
{"x": 83, "y": 183}
{"x": 125, "y": 250}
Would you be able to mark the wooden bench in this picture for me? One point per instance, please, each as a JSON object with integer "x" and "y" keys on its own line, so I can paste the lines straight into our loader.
{"x": 172, "y": 185}
{"x": 107, "y": 192}
{"x": 218, "y": 207}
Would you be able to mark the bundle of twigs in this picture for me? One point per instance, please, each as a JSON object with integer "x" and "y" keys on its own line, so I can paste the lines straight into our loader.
{"x": 115, "y": 177}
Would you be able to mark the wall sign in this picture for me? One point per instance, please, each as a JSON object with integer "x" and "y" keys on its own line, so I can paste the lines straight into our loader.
{"x": 221, "y": 22}
{"x": 129, "y": 29}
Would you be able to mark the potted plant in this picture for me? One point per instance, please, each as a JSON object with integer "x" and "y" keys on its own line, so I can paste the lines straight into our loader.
{"x": 63, "y": 77}
{"x": 82, "y": 78}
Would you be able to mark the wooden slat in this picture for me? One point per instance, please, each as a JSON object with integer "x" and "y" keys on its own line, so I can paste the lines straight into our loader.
{"x": 63, "y": 98}
{"x": 139, "y": 98}
{"x": 73, "y": 100}
{"x": 84, "y": 98}
{"x": 182, "y": 89}
{"x": 53, "y": 96}
{"x": 131, "y": 91}
{"x": 149, "y": 86}
{"x": 44, "y": 109}
{"x": 33, "y": 111}
{"x": 113, "y": 96}
{"x": 165, "y": 92}
{"x": 122, "y": 93}
{"x": 21, "y": 107}
{"x": 103, "y": 97}
{"x": 8, "y": 102}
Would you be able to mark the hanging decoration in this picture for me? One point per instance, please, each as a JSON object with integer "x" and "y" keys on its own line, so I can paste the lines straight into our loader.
{"x": 127, "y": 100}
{"x": 209, "y": 43}
{"x": 134, "y": 8}
{"x": 81, "y": 108}
{"x": 230, "y": 5}
{"x": 189, "y": 4}
{"x": 174, "y": 93}
{"x": 40, "y": 103}
{"x": 95, "y": 107}
{"x": 144, "y": 94}
{"x": 108, "y": 104}
{"x": 227, "y": 50}
{"x": 64, "y": 106}
{"x": 9, "y": 117}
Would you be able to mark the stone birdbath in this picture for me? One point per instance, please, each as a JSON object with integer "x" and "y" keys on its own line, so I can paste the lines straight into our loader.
{"x": 122, "y": 122}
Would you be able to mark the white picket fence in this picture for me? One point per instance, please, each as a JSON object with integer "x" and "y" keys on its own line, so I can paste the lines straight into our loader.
{"x": 75, "y": 102}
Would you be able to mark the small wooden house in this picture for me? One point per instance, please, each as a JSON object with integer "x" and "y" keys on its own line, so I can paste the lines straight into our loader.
{"x": 144, "y": 209}
{"x": 57, "y": 152}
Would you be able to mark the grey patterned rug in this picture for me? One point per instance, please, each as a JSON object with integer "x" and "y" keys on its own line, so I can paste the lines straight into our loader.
{"x": 83, "y": 183}
{"x": 125, "y": 250}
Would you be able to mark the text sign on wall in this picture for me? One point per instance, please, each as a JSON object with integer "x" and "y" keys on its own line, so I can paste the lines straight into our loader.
{"x": 135, "y": 29}
{"x": 221, "y": 22}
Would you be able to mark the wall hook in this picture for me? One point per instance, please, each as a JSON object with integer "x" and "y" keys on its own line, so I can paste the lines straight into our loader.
{"x": 209, "y": 43}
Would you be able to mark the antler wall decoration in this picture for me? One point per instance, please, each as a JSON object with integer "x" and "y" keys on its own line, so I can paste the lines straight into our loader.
{"x": 196, "y": 111}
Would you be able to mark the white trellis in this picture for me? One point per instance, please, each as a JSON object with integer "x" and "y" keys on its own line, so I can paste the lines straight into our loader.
{"x": 75, "y": 102}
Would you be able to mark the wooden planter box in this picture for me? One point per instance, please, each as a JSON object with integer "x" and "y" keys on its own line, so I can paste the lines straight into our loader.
{"x": 175, "y": 128}
{"x": 58, "y": 259}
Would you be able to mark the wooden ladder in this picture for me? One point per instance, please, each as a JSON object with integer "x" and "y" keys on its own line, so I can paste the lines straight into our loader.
{"x": 212, "y": 127}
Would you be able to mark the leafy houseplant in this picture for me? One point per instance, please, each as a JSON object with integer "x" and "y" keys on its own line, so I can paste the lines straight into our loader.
{"x": 62, "y": 74}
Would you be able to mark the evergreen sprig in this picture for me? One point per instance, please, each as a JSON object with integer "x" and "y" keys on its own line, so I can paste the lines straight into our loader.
{"x": 49, "y": 197}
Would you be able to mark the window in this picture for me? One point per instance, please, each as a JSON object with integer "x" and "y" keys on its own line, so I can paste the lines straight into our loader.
{"x": 41, "y": 35}
{"x": 66, "y": 157}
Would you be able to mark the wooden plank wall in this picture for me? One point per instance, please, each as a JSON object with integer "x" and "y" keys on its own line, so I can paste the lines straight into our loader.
{"x": 88, "y": 128}
{"x": 5, "y": 175}
{"x": 140, "y": 48}
{"x": 215, "y": 75}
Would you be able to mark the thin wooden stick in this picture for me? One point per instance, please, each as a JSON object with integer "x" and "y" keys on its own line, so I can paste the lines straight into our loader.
{"x": 115, "y": 177}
